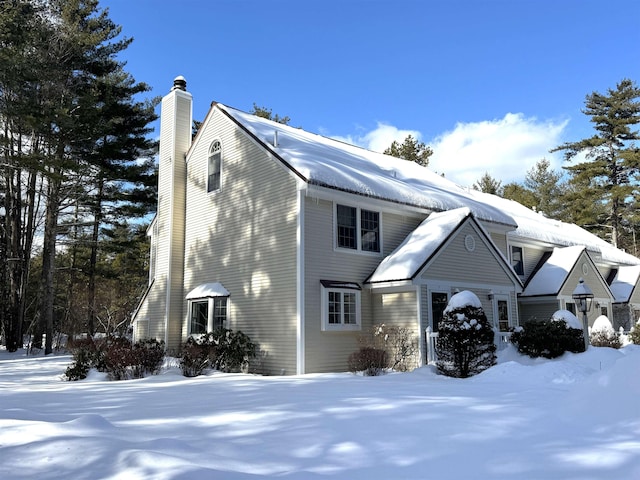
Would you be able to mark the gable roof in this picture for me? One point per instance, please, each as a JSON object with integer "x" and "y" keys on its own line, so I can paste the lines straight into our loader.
{"x": 421, "y": 245}
{"x": 625, "y": 282}
{"x": 329, "y": 163}
{"x": 553, "y": 274}
{"x": 535, "y": 226}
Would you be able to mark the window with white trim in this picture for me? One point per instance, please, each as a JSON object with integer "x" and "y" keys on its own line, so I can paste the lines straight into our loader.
{"x": 340, "y": 305}
{"x": 357, "y": 229}
{"x": 207, "y": 314}
{"x": 214, "y": 169}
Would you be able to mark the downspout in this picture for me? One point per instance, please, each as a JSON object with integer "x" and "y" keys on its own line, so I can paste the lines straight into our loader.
{"x": 421, "y": 330}
{"x": 300, "y": 325}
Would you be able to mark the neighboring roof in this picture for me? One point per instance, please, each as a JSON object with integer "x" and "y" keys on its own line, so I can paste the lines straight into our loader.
{"x": 624, "y": 283}
{"x": 206, "y": 290}
{"x": 535, "y": 226}
{"x": 550, "y": 278}
{"x": 333, "y": 164}
{"x": 419, "y": 246}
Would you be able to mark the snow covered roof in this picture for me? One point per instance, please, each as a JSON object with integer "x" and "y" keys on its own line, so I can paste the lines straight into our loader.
{"x": 206, "y": 290}
{"x": 624, "y": 282}
{"x": 405, "y": 261}
{"x": 333, "y": 164}
{"x": 553, "y": 274}
{"x": 329, "y": 163}
{"x": 535, "y": 226}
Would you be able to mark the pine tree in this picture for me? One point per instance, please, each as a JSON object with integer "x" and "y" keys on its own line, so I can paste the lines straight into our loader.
{"x": 265, "y": 112}
{"x": 542, "y": 190}
{"x": 410, "y": 149}
{"x": 22, "y": 42}
{"x": 613, "y": 159}
{"x": 488, "y": 184}
{"x": 73, "y": 130}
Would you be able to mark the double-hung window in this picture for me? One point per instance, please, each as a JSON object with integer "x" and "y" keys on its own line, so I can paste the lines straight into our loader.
{"x": 340, "y": 305}
{"x": 357, "y": 229}
{"x": 214, "y": 172}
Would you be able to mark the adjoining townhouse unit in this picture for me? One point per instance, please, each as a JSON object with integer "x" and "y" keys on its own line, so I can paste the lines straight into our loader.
{"x": 304, "y": 243}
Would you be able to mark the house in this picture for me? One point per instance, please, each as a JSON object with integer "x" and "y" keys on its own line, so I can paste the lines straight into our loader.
{"x": 304, "y": 243}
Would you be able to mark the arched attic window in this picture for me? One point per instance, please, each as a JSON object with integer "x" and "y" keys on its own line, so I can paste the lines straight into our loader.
{"x": 214, "y": 171}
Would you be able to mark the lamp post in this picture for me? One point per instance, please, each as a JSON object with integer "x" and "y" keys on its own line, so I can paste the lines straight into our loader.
{"x": 583, "y": 296}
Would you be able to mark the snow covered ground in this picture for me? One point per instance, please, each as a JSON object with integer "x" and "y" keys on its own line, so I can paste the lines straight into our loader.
{"x": 577, "y": 417}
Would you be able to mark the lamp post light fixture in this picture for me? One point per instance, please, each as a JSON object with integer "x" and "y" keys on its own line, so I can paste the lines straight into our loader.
{"x": 583, "y": 296}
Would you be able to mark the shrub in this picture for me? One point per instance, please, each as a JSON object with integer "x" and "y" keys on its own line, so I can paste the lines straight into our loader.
{"x": 634, "y": 334}
{"x": 151, "y": 355}
{"x": 222, "y": 349}
{"x": 603, "y": 334}
{"x": 116, "y": 356}
{"x": 370, "y": 361}
{"x": 87, "y": 354}
{"x": 194, "y": 358}
{"x": 400, "y": 344}
{"x": 547, "y": 338}
{"x": 465, "y": 344}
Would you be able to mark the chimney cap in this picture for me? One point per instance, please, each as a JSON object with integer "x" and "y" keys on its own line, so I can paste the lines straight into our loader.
{"x": 179, "y": 83}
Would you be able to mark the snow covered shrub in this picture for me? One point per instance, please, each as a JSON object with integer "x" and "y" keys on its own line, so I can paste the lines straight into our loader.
{"x": 603, "y": 334}
{"x": 465, "y": 344}
{"x": 222, "y": 349}
{"x": 370, "y": 361}
{"x": 634, "y": 334}
{"x": 549, "y": 338}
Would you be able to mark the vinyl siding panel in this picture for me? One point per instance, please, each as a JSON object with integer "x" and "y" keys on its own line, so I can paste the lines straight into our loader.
{"x": 500, "y": 241}
{"x": 532, "y": 256}
{"x": 398, "y": 310}
{"x": 456, "y": 264}
{"x": 328, "y": 351}
{"x": 244, "y": 236}
{"x": 537, "y": 310}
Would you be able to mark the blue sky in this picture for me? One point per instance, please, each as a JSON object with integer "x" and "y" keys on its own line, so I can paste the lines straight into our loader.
{"x": 491, "y": 85}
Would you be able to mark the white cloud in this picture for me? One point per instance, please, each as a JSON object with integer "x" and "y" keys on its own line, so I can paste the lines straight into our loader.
{"x": 505, "y": 148}
{"x": 381, "y": 138}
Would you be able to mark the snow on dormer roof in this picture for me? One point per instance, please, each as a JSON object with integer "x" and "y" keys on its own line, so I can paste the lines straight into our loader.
{"x": 407, "y": 259}
{"x": 624, "y": 282}
{"x": 553, "y": 274}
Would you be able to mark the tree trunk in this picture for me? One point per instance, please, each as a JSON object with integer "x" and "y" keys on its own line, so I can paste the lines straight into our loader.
{"x": 48, "y": 260}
